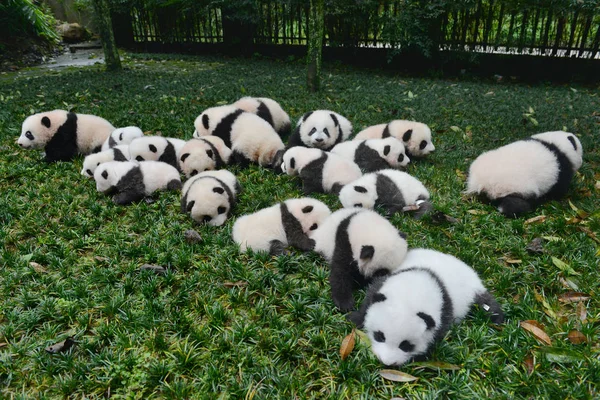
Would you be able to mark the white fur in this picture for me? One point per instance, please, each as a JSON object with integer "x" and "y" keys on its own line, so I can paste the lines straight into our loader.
{"x": 367, "y": 228}
{"x": 257, "y": 230}
{"x": 121, "y": 136}
{"x": 420, "y": 133}
{"x": 92, "y": 161}
{"x": 390, "y": 149}
{"x": 336, "y": 170}
{"x": 250, "y": 135}
{"x": 319, "y": 129}
{"x": 281, "y": 120}
{"x": 206, "y": 202}
{"x": 139, "y": 149}
{"x": 92, "y": 130}
{"x": 409, "y": 293}
{"x": 525, "y": 167}
{"x": 194, "y": 156}
{"x": 156, "y": 175}
{"x": 411, "y": 188}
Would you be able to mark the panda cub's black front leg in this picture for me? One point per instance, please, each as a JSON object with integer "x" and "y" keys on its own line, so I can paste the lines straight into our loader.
{"x": 128, "y": 197}
{"x": 489, "y": 304}
{"x": 341, "y": 287}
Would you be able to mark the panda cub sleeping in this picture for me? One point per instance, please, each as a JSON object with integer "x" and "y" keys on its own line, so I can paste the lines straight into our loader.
{"x": 273, "y": 229}
{"x": 250, "y": 138}
{"x": 207, "y": 153}
{"x": 64, "y": 134}
{"x": 389, "y": 189}
{"x": 406, "y": 313}
{"x": 269, "y": 110}
{"x": 322, "y": 129}
{"x": 156, "y": 148}
{"x": 210, "y": 196}
{"x": 92, "y": 161}
{"x": 122, "y": 136}
{"x": 319, "y": 170}
{"x": 358, "y": 245}
{"x": 518, "y": 177}
{"x": 132, "y": 181}
{"x": 416, "y": 136}
{"x": 374, "y": 154}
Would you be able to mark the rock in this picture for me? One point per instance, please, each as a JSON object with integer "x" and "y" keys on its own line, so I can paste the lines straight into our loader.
{"x": 536, "y": 246}
{"x": 72, "y": 33}
{"x": 157, "y": 269}
{"x": 191, "y": 236}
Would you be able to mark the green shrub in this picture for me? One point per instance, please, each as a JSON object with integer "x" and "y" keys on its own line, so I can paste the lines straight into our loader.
{"x": 26, "y": 17}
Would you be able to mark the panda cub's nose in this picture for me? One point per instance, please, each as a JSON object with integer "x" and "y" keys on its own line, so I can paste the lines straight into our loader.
{"x": 319, "y": 140}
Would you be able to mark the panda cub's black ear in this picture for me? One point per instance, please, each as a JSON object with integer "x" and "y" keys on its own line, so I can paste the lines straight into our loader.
{"x": 378, "y": 297}
{"x": 121, "y": 137}
{"x": 367, "y": 252}
{"x": 184, "y": 156}
{"x": 572, "y": 140}
{"x": 307, "y": 209}
{"x": 407, "y": 135}
{"x": 209, "y": 152}
{"x": 46, "y": 122}
{"x": 402, "y": 234}
{"x": 428, "y": 320}
{"x": 205, "y": 121}
{"x": 335, "y": 120}
{"x": 219, "y": 190}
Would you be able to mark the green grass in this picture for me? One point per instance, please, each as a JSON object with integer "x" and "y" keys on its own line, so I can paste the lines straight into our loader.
{"x": 275, "y": 332}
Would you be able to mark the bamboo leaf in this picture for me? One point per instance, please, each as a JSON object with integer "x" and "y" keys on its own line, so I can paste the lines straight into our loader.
{"x": 535, "y": 220}
{"x": 573, "y": 297}
{"x": 554, "y": 354}
{"x": 537, "y": 330}
{"x": 396, "y": 376}
{"x": 564, "y": 267}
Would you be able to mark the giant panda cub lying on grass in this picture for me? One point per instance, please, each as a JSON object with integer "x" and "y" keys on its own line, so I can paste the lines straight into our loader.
{"x": 518, "y": 177}
{"x": 64, "y": 134}
{"x": 416, "y": 136}
{"x": 406, "y": 313}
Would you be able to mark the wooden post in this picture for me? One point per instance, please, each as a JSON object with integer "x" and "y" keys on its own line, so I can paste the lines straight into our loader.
{"x": 316, "y": 27}
{"x": 111, "y": 53}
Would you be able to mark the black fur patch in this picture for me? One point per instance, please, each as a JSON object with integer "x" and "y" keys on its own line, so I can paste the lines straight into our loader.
{"x": 386, "y": 150}
{"x": 97, "y": 149}
{"x": 230, "y": 195}
{"x": 130, "y": 187}
{"x": 218, "y": 160}
{"x": 513, "y": 206}
{"x": 335, "y": 120}
{"x": 489, "y": 304}
{"x": 406, "y": 136}
{"x": 112, "y": 142}
{"x": 276, "y": 247}
{"x": 373, "y": 296}
{"x": 118, "y": 155}
{"x": 573, "y": 142}
{"x": 205, "y": 121}
{"x": 264, "y": 112}
{"x": 307, "y": 209}
{"x": 565, "y": 172}
{"x": 386, "y": 132}
{"x": 377, "y": 297}
{"x": 46, "y": 122}
{"x": 344, "y": 276}
{"x": 293, "y": 230}
{"x": 367, "y": 252}
{"x": 152, "y": 148}
{"x": 223, "y": 128}
{"x": 427, "y": 319}
{"x": 63, "y": 145}
{"x": 369, "y": 159}
{"x": 240, "y": 159}
{"x": 295, "y": 139}
{"x": 169, "y": 156}
{"x": 312, "y": 175}
{"x": 285, "y": 129}
{"x": 389, "y": 196}
{"x": 184, "y": 157}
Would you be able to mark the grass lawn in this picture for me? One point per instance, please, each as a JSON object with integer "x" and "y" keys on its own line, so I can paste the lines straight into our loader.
{"x": 220, "y": 324}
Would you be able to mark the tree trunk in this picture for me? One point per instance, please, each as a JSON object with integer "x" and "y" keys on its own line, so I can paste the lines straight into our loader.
{"x": 316, "y": 27}
{"x": 111, "y": 53}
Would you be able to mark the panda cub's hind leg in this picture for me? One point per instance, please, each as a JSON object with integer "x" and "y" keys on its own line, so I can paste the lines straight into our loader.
{"x": 513, "y": 206}
{"x": 488, "y": 303}
{"x": 277, "y": 247}
{"x": 127, "y": 197}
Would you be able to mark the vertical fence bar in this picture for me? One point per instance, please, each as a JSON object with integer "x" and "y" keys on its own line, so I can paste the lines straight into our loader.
{"x": 584, "y": 36}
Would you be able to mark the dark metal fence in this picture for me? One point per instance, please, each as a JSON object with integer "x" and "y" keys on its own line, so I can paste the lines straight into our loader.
{"x": 490, "y": 26}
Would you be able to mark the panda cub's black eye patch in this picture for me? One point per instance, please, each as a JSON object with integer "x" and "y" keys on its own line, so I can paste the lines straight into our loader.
{"x": 423, "y": 144}
{"x": 307, "y": 209}
{"x": 209, "y": 153}
{"x": 153, "y": 148}
{"x": 379, "y": 337}
{"x": 358, "y": 205}
{"x": 401, "y": 158}
{"x": 206, "y": 218}
{"x": 205, "y": 121}
{"x": 105, "y": 174}
{"x": 313, "y": 227}
{"x": 139, "y": 158}
{"x": 360, "y": 189}
{"x": 406, "y": 346}
{"x": 29, "y": 135}
{"x": 194, "y": 172}
{"x": 326, "y": 131}
{"x": 221, "y": 210}
{"x": 89, "y": 172}
{"x": 386, "y": 150}
{"x": 313, "y": 130}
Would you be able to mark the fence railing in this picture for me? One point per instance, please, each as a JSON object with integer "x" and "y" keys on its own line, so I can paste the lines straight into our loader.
{"x": 502, "y": 26}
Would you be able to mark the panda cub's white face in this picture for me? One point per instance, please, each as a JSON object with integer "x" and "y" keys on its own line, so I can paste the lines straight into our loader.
{"x": 38, "y": 129}
{"x": 309, "y": 212}
{"x": 206, "y": 122}
{"x": 108, "y": 174}
{"x": 359, "y": 193}
{"x": 320, "y": 129}
{"x": 390, "y": 149}
{"x": 567, "y": 143}
{"x": 122, "y": 136}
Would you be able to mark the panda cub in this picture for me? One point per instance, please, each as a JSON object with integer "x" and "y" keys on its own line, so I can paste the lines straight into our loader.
{"x": 207, "y": 153}
{"x": 290, "y": 223}
{"x": 156, "y": 148}
{"x": 269, "y": 110}
{"x": 322, "y": 129}
{"x": 250, "y": 138}
{"x": 374, "y": 154}
{"x": 92, "y": 161}
{"x": 319, "y": 170}
{"x": 518, "y": 177}
{"x": 122, "y": 136}
{"x": 210, "y": 196}
{"x": 416, "y": 136}
{"x": 64, "y": 134}
{"x": 406, "y": 313}
{"x": 132, "y": 181}
{"x": 389, "y": 189}
{"x": 359, "y": 245}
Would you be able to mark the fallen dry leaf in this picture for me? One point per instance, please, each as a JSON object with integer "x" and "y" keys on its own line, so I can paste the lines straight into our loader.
{"x": 237, "y": 284}
{"x": 347, "y": 345}
{"x": 588, "y": 232}
{"x": 537, "y": 330}
{"x": 581, "y": 311}
{"x": 536, "y": 220}
{"x": 529, "y": 363}
{"x": 3, "y": 345}
{"x": 512, "y": 261}
{"x": 576, "y": 337}
{"x": 573, "y": 297}
{"x": 37, "y": 267}
{"x": 435, "y": 365}
{"x": 477, "y": 212}
{"x": 396, "y": 376}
